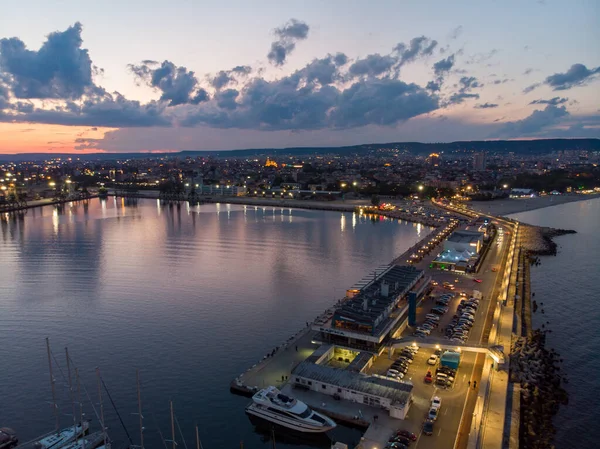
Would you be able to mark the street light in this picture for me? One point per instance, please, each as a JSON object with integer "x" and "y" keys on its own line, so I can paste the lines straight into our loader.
{"x": 420, "y": 188}
{"x": 52, "y": 184}
{"x": 505, "y": 186}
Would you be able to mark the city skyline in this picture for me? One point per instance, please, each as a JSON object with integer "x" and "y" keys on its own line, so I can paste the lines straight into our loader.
{"x": 297, "y": 75}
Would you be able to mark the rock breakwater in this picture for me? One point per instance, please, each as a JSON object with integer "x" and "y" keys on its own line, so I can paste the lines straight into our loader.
{"x": 537, "y": 370}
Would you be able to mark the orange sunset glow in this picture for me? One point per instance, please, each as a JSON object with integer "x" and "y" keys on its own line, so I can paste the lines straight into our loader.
{"x": 40, "y": 138}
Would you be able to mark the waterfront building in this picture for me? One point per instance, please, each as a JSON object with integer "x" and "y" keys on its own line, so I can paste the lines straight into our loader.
{"x": 222, "y": 190}
{"x": 327, "y": 371}
{"x": 464, "y": 241}
{"x": 374, "y": 309}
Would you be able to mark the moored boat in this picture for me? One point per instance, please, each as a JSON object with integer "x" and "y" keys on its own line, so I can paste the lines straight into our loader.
{"x": 8, "y": 438}
{"x": 271, "y": 405}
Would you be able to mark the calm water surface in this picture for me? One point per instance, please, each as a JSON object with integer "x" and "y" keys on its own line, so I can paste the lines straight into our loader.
{"x": 568, "y": 285}
{"x": 192, "y": 297}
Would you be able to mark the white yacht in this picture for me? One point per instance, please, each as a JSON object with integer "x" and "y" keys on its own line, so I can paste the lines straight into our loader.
{"x": 270, "y": 404}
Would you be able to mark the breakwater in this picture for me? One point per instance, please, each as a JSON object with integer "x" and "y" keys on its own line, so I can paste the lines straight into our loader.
{"x": 537, "y": 370}
{"x": 539, "y": 240}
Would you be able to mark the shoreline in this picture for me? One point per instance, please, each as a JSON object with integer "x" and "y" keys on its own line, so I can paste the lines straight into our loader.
{"x": 511, "y": 206}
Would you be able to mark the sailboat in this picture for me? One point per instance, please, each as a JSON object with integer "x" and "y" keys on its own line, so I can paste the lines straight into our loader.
{"x": 59, "y": 437}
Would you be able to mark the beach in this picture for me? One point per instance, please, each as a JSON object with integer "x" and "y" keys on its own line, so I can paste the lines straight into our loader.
{"x": 509, "y": 206}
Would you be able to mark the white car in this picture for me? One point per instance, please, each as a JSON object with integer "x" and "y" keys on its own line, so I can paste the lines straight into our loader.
{"x": 432, "y": 316}
{"x": 395, "y": 374}
{"x": 436, "y": 402}
{"x": 433, "y": 359}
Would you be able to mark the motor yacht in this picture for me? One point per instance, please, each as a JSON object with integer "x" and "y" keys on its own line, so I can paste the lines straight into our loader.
{"x": 271, "y": 405}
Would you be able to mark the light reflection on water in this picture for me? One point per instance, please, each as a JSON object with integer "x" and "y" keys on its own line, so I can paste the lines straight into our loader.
{"x": 192, "y": 296}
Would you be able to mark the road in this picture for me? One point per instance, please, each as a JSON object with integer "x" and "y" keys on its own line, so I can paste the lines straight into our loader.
{"x": 449, "y": 431}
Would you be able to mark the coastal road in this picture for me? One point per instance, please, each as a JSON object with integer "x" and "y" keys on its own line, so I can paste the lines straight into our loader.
{"x": 451, "y": 430}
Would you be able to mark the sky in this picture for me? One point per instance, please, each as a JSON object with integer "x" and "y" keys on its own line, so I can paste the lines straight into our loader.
{"x": 137, "y": 76}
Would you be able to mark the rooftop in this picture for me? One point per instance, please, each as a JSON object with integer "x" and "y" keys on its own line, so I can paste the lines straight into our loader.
{"x": 398, "y": 392}
{"x": 465, "y": 236}
{"x": 376, "y": 297}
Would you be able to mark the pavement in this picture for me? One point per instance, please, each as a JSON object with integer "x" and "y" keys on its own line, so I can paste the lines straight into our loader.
{"x": 275, "y": 370}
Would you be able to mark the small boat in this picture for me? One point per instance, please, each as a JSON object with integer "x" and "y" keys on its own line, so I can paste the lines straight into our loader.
{"x": 273, "y": 406}
{"x": 62, "y": 437}
{"x": 91, "y": 441}
{"x": 8, "y": 438}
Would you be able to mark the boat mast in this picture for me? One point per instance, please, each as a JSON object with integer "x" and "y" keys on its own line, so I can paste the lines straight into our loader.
{"x": 71, "y": 395}
{"x": 198, "y": 445}
{"x": 137, "y": 375}
{"x": 80, "y": 404}
{"x": 173, "y": 426}
{"x": 101, "y": 405}
{"x": 52, "y": 384}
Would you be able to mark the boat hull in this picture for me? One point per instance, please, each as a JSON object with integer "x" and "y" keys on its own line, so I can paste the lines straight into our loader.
{"x": 289, "y": 423}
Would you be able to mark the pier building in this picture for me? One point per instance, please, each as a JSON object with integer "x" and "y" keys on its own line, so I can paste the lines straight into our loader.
{"x": 373, "y": 310}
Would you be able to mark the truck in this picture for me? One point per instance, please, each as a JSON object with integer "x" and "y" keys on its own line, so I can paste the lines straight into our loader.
{"x": 451, "y": 359}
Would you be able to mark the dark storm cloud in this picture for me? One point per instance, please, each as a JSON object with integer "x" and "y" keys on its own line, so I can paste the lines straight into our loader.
{"x": 577, "y": 75}
{"x": 538, "y": 121}
{"x": 288, "y": 35}
{"x": 60, "y": 69}
{"x": 486, "y": 106}
{"x": 553, "y": 101}
{"x": 177, "y": 84}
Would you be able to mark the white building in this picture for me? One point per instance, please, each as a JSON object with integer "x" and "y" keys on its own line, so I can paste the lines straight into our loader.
{"x": 391, "y": 395}
{"x": 464, "y": 241}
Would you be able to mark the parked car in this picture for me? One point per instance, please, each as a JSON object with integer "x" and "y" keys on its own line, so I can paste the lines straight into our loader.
{"x": 400, "y": 439}
{"x": 433, "y": 414}
{"x": 436, "y": 402}
{"x": 433, "y": 359}
{"x": 407, "y": 434}
{"x": 428, "y": 427}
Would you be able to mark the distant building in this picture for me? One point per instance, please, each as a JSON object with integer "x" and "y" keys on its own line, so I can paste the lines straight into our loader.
{"x": 434, "y": 159}
{"x": 464, "y": 241}
{"x": 479, "y": 161}
{"x": 222, "y": 190}
{"x": 522, "y": 193}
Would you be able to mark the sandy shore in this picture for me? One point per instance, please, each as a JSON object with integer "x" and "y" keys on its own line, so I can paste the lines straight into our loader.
{"x": 515, "y": 205}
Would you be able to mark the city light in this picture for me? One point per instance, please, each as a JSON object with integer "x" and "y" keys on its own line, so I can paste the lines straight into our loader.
{"x": 420, "y": 188}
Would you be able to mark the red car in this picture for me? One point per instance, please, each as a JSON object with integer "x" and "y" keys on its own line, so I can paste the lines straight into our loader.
{"x": 428, "y": 378}
{"x": 407, "y": 434}
{"x": 477, "y": 280}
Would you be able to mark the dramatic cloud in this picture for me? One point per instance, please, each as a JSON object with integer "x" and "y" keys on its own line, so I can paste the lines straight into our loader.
{"x": 109, "y": 110}
{"x": 60, "y": 69}
{"x": 465, "y": 85}
{"x": 577, "y": 75}
{"x": 295, "y": 103}
{"x": 443, "y": 66}
{"x": 373, "y": 65}
{"x": 538, "y": 121}
{"x": 440, "y": 69}
{"x": 486, "y": 106}
{"x": 553, "y": 101}
{"x": 225, "y": 77}
{"x": 418, "y": 47}
{"x": 288, "y": 35}
{"x": 177, "y": 84}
